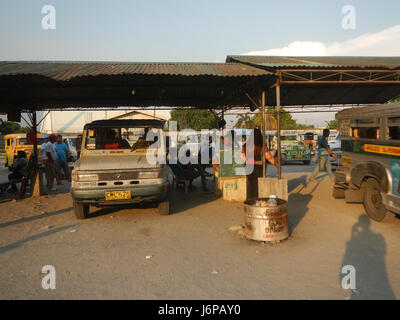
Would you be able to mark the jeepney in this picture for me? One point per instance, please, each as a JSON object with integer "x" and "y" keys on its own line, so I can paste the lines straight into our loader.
{"x": 370, "y": 168}
{"x": 17, "y": 141}
{"x": 310, "y": 141}
{"x": 292, "y": 149}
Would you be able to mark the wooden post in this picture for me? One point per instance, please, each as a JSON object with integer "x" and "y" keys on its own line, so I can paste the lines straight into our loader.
{"x": 278, "y": 127}
{"x": 36, "y": 177}
{"x": 263, "y": 131}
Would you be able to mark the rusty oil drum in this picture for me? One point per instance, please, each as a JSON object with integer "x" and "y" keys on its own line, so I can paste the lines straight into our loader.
{"x": 263, "y": 223}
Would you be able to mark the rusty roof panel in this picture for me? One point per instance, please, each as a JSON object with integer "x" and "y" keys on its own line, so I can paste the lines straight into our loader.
{"x": 279, "y": 62}
{"x": 65, "y": 71}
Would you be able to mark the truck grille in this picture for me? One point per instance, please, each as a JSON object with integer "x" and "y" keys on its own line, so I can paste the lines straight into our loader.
{"x": 110, "y": 176}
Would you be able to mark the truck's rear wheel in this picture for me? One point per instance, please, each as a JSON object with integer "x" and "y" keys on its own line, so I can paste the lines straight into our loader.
{"x": 81, "y": 211}
{"x": 372, "y": 200}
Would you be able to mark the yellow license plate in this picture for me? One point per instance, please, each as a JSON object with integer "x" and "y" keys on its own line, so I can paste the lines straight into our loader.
{"x": 118, "y": 195}
{"x": 299, "y": 156}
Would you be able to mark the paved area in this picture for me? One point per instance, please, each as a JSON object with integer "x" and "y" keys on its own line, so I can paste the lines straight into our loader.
{"x": 134, "y": 253}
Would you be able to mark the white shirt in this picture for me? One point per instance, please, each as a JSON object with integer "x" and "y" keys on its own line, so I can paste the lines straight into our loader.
{"x": 44, "y": 155}
{"x": 50, "y": 148}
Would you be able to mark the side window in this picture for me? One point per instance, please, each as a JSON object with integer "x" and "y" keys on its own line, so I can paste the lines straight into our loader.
{"x": 394, "y": 128}
{"x": 7, "y": 142}
{"x": 365, "y": 128}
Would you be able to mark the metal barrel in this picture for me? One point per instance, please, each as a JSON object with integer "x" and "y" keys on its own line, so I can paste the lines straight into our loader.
{"x": 264, "y": 223}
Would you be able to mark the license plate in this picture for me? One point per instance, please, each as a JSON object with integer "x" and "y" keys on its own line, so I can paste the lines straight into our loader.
{"x": 118, "y": 195}
{"x": 299, "y": 156}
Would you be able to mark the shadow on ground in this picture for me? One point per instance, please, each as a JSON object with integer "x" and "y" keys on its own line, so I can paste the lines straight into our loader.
{"x": 366, "y": 251}
{"x": 19, "y": 243}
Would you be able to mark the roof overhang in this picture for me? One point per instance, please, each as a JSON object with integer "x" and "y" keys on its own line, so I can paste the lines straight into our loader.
{"x": 56, "y": 85}
{"x": 329, "y": 80}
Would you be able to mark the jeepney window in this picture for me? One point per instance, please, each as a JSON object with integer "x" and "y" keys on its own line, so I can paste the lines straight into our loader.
{"x": 394, "y": 128}
{"x": 365, "y": 128}
{"x": 8, "y": 142}
{"x": 365, "y": 133}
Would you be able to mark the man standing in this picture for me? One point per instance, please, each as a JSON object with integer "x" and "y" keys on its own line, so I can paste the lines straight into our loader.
{"x": 61, "y": 161}
{"x": 50, "y": 154}
{"x": 324, "y": 151}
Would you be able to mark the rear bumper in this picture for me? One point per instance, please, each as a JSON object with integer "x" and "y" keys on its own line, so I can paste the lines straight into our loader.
{"x": 140, "y": 194}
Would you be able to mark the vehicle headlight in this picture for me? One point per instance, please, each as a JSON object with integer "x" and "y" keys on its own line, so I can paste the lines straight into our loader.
{"x": 84, "y": 177}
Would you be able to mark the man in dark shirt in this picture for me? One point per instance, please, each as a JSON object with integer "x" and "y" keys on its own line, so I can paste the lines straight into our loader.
{"x": 18, "y": 170}
{"x": 324, "y": 151}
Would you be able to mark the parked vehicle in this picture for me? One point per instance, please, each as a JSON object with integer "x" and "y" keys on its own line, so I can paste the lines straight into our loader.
{"x": 370, "y": 169}
{"x": 113, "y": 168}
{"x": 17, "y": 141}
{"x": 70, "y": 142}
{"x": 335, "y": 145}
{"x": 310, "y": 141}
{"x": 294, "y": 150}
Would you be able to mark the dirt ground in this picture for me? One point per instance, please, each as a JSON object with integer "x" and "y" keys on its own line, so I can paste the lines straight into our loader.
{"x": 134, "y": 253}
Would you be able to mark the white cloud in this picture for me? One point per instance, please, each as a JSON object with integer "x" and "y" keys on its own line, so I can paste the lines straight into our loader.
{"x": 382, "y": 43}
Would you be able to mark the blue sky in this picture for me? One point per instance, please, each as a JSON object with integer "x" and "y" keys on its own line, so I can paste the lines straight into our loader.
{"x": 178, "y": 30}
{"x": 201, "y": 31}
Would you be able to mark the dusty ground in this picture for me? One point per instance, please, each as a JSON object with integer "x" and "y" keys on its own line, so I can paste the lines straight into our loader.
{"x": 192, "y": 253}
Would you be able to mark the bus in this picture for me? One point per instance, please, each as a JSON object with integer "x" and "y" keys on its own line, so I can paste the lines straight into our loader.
{"x": 369, "y": 172}
{"x": 15, "y": 142}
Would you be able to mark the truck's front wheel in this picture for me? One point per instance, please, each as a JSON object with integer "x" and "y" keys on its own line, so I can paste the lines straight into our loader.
{"x": 373, "y": 204}
{"x": 81, "y": 211}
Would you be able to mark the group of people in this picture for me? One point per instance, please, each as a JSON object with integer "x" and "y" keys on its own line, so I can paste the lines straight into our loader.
{"x": 323, "y": 152}
{"x": 55, "y": 154}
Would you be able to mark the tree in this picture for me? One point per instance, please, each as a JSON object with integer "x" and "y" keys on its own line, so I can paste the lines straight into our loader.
{"x": 196, "y": 119}
{"x": 333, "y": 124}
{"x": 7, "y": 127}
{"x": 245, "y": 121}
{"x": 397, "y": 99}
{"x": 270, "y": 120}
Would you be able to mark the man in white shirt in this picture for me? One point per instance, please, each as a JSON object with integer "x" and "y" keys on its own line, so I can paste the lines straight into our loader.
{"x": 49, "y": 156}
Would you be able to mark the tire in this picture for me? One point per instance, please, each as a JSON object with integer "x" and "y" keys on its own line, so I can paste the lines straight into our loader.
{"x": 164, "y": 208}
{"x": 372, "y": 200}
{"x": 81, "y": 211}
{"x": 306, "y": 162}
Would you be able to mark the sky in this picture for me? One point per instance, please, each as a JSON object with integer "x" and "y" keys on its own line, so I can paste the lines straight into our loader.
{"x": 198, "y": 31}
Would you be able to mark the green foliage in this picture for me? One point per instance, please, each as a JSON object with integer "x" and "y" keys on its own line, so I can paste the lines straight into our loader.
{"x": 7, "y": 127}
{"x": 196, "y": 119}
{"x": 287, "y": 122}
{"x": 245, "y": 121}
{"x": 397, "y": 99}
{"x": 333, "y": 124}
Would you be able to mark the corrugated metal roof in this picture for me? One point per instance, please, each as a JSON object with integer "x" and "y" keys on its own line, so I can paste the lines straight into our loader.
{"x": 276, "y": 62}
{"x": 65, "y": 71}
{"x": 370, "y": 111}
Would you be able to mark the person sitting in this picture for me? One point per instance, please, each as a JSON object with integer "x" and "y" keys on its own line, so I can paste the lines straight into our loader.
{"x": 18, "y": 170}
{"x": 188, "y": 172}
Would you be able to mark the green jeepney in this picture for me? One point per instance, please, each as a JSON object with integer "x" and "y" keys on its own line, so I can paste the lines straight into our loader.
{"x": 294, "y": 150}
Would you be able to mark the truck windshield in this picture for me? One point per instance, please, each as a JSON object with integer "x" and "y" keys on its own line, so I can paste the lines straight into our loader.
{"x": 120, "y": 138}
